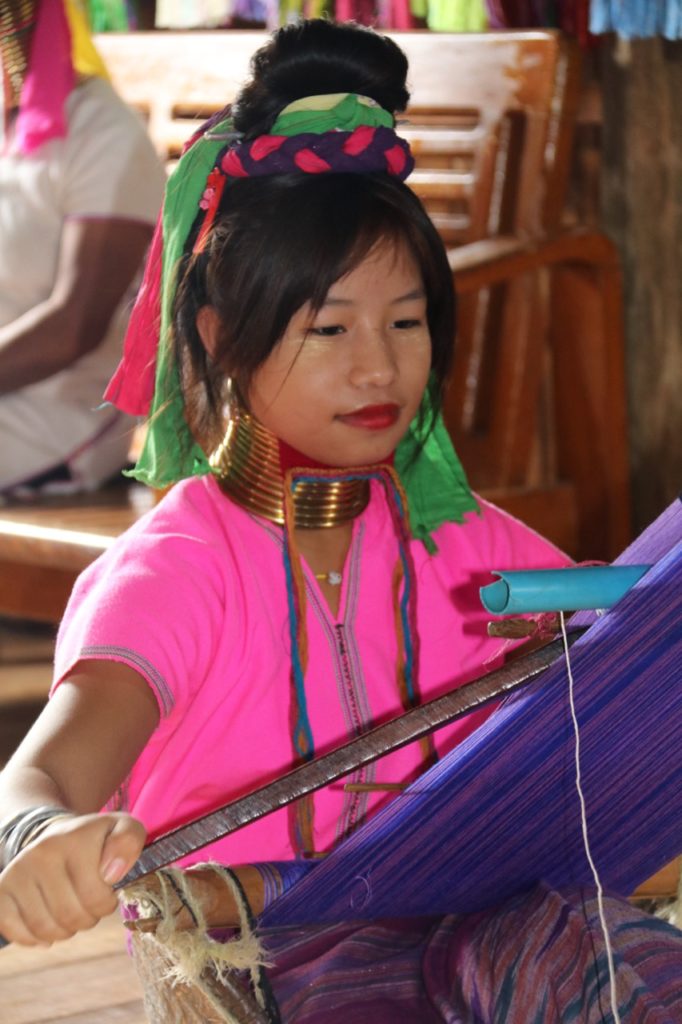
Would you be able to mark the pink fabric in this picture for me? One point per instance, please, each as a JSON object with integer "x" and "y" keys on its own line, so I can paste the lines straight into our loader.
{"x": 362, "y": 11}
{"x": 48, "y": 83}
{"x": 194, "y": 598}
{"x": 131, "y": 389}
{"x": 401, "y": 16}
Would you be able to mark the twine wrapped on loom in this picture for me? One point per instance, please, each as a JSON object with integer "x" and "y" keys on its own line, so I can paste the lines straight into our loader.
{"x": 187, "y": 976}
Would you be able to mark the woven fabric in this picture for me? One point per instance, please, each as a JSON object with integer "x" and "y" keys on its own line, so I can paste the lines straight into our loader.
{"x": 538, "y": 959}
{"x": 501, "y": 812}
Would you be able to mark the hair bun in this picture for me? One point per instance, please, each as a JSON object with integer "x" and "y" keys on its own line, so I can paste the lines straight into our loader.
{"x": 314, "y": 57}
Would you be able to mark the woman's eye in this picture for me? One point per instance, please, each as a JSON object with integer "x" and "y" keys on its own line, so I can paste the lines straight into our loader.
{"x": 407, "y": 324}
{"x": 327, "y": 331}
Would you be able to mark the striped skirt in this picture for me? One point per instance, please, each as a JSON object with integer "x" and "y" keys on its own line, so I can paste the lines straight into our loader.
{"x": 538, "y": 959}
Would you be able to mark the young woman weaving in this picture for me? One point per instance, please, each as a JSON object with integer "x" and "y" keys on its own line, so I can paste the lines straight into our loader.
{"x": 314, "y": 569}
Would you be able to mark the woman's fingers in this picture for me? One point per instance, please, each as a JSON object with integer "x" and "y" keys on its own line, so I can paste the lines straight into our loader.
{"x": 56, "y": 911}
{"x": 50, "y": 902}
{"x": 12, "y": 925}
{"x": 57, "y": 886}
{"x": 27, "y": 916}
{"x": 122, "y": 846}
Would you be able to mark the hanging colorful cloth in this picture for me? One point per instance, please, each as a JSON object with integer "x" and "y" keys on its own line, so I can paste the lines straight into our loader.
{"x": 182, "y": 14}
{"x": 452, "y": 15}
{"x": 512, "y": 14}
{"x": 293, "y": 10}
{"x": 570, "y": 16}
{"x": 108, "y": 15}
{"x": 364, "y": 12}
{"x": 391, "y": 15}
{"x": 247, "y": 10}
{"x": 575, "y": 21}
{"x": 84, "y": 55}
{"x": 633, "y": 19}
{"x": 400, "y": 16}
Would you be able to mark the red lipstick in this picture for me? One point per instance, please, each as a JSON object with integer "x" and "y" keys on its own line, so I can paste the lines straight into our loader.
{"x": 372, "y": 417}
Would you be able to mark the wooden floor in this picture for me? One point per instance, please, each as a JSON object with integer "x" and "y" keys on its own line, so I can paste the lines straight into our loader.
{"x": 89, "y": 979}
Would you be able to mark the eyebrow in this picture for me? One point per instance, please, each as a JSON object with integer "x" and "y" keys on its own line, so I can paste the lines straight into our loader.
{"x": 416, "y": 293}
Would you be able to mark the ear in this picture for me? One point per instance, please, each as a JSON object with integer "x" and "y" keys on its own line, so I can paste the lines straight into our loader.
{"x": 208, "y": 326}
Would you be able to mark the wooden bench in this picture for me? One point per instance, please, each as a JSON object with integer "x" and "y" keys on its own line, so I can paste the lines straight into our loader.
{"x": 537, "y": 401}
{"x": 44, "y": 545}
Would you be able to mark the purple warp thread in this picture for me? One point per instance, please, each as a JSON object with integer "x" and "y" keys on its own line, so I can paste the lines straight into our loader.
{"x": 501, "y": 812}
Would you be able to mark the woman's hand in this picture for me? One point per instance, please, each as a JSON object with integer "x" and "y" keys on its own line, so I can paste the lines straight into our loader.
{"x": 76, "y": 755}
{"x": 62, "y": 882}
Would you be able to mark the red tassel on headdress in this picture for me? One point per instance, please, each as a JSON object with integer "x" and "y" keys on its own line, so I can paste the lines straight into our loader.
{"x": 131, "y": 388}
{"x": 210, "y": 201}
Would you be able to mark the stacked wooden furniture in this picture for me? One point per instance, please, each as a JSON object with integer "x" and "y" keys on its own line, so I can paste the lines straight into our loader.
{"x": 536, "y": 406}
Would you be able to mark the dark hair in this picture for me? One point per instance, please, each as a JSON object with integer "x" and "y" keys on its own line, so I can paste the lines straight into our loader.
{"x": 281, "y": 242}
{"x": 316, "y": 57}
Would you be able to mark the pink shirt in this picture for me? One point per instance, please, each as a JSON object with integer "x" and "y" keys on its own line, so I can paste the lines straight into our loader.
{"x": 193, "y": 597}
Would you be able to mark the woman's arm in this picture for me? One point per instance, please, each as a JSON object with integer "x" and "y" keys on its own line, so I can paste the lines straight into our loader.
{"x": 98, "y": 260}
{"x": 79, "y": 751}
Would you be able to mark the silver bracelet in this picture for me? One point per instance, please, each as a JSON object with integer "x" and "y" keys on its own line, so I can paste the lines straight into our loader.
{"x": 16, "y": 833}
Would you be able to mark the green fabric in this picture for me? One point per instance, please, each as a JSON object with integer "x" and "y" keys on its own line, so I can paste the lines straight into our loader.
{"x": 348, "y": 114}
{"x": 170, "y": 453}
{"x": 457, "y": 15}
{"x": 108, "y": 15}
{"x": 436, "y": 487}
{"x": 433, "y": 477}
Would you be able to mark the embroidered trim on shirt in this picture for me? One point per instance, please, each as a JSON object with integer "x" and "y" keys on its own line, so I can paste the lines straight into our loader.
{"x": 350, "y": 681}
{"x": 137, "y": 661}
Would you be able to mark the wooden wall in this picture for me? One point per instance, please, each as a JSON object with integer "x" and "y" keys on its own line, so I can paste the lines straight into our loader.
{"x": 641, "y": 199}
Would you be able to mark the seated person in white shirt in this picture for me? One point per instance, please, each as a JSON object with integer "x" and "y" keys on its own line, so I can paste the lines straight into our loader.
{"x": 80, "y": 188}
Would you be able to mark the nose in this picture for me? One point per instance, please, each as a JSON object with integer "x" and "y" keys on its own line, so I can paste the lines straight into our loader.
{"x": 374, "y": 362}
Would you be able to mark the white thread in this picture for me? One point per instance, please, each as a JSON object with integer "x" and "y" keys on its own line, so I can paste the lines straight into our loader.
{"x": 583, "y": 819}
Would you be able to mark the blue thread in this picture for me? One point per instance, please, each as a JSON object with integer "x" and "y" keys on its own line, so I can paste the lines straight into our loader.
{"x": 405, "y": 604}
{"x": 302, "y": 727}
{"x": 407, "y": 636}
